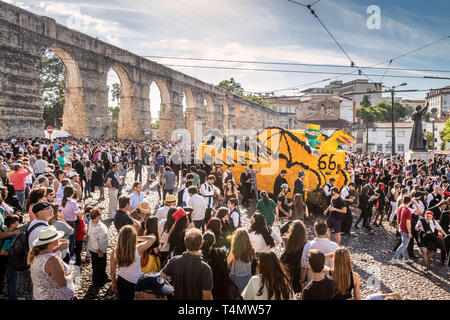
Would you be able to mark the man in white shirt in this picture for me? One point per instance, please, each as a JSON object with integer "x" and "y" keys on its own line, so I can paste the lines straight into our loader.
{"x": 137, "y": 196}
{"x": 209, "y": 191}
{"x": 39, "y": 166}
{"x": 320, "y": 242}
{"x": 197, "y": 203}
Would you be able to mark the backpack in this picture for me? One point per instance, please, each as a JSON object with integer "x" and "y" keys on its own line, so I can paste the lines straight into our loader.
{"x": 18, "y": 253}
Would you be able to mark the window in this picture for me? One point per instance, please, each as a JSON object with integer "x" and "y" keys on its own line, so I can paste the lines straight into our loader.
{"x": 401, "y": 133}
{"x": 388, "y": 148}
{"x": 379, "y": 148}
{"x": 401, "y": 148}
{"x": 388, "y": 133}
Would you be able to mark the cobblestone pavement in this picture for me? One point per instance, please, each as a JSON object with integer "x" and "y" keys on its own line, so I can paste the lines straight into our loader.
{"x": 369, "y": 254}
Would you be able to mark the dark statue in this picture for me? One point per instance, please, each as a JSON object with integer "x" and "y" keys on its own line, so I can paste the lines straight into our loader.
{"x": 417, "y": 137}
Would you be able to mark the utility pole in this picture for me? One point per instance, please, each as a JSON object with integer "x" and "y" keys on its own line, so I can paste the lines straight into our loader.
{"x": 393, "y": 122}
{"x": 393, "y": 116}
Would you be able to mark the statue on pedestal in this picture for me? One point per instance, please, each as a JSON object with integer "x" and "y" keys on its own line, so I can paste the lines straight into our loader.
{"x": 417, "y": 140}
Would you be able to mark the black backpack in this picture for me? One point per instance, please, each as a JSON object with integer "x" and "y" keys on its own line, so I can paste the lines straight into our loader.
{"x": 18, "y": 253}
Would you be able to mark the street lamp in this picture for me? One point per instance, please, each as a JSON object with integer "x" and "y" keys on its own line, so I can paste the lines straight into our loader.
{"x": 392, "y": 90}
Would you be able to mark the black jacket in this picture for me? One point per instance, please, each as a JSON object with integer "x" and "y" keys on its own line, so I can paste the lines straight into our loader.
{"x": 299, "y": 187}
{"x": 277, "y": 186}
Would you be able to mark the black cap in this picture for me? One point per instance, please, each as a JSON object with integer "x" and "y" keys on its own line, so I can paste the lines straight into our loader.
{"x": 41, "y": 206}
{"x": 283, "y": 171}
{"x": 154, "y": 282}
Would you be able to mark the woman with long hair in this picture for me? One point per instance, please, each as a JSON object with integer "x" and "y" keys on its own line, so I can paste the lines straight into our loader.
{"x": 37, "y": 194}
{"x": 300, "y": 208}
{"x": 216, "y": 259}
{"x": 295, "y": 240}
{"x": 71, "y": 213}
{"x": 262, "y": 237}
{"x": 215, "y": 225}
{"x": 230, "y": 191}
{"x": 150, "y": 260}
{"x": 176, "y": 236}
{"x": 347, "y": 281}
{"x": 271, "y": 282}
{"x": 57, "y": 183}
{"x": 240, "y": 258}
{"x": 126, "y": 257}
{"x": 268, "y": 208}
{"x": 164, "y": 227}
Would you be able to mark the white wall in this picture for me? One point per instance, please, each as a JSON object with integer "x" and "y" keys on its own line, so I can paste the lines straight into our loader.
{"x": 346, "y": 110}
{"x": 383, "y": 137}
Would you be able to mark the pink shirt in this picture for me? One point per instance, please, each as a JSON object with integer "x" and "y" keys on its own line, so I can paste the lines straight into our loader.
{"x": 18, "y": 179}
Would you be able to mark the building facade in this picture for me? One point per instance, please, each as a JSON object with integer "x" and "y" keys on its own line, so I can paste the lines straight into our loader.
{"x": 439, "y": 99}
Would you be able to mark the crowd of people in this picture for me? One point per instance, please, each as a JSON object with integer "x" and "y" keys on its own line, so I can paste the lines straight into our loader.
{"x": 193, "y": 245}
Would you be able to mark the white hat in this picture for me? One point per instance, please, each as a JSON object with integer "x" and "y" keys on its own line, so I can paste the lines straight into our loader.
{"x": 47, "y": 235}
{"x": 48, "y": 169}
{"x": 71, "y": 174}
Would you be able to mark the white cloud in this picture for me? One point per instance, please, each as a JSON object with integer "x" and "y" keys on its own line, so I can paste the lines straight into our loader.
{"x": 77, "y": 20}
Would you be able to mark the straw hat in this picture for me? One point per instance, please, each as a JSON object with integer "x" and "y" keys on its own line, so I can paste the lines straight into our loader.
{"x": 144, "y": 207}
{"x": 170, "y": 199}
{"x": 47, "y": 235}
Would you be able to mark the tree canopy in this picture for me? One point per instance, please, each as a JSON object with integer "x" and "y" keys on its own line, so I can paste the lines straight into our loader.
{"x": 114, "y": 111}
{"x": 53, "y": 87}
{"x": 236, "y": 88}
{"x": 383, "y": 112}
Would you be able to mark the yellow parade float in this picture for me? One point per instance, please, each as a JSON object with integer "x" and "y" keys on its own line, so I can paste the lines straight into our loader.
{"x": 275, "y": 149}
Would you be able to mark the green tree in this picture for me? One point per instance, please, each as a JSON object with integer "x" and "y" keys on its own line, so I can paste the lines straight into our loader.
{"x": 445, "y": 134}
{"x": 53, "y": 87}
{"x": 236, "y": 88}
{"x": 430, "y": 140}
{"x": 114, "y": 111}
{"x": 232, "y": 85}
{"x": 365, "y": 101}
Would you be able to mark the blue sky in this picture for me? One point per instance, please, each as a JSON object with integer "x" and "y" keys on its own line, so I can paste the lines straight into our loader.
{"x": 267, "y": 30}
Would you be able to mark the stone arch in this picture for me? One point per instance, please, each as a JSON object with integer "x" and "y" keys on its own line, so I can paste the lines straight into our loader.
{"x": 163, "y": 107}
{"x": 127, "y": 126}
{"x": 74, "y": 114}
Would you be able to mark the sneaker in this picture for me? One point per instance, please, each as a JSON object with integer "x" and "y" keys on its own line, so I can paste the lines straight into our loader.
{"x": 408, "y": 261}
{"x": 396, "y": 261}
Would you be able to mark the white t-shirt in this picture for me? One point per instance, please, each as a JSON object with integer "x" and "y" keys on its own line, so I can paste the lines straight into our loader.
{"x": 259, "y": 244}
{"x": 235, "y": 218}
{"x": 161, "y": 213}
{"x": 250, "y": 292}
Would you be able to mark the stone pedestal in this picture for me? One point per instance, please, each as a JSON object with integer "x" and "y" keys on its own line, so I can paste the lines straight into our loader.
{"x": 418, "y": 155}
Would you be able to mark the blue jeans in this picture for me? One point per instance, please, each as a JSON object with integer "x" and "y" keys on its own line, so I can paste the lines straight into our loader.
{"x": 240, "y": 281}
{"x": 403, "y": 249}
{"x": 87, "y": 188}
{"x": 11, "y": 274}
{"x": 73, "y": 224}
{"x": 20, "y": 196}
{"x": 27, "y": 188}
{"x": 255, "y": 190}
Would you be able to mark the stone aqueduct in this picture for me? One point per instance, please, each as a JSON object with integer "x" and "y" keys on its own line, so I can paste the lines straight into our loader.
{"x": 25, "y": 36}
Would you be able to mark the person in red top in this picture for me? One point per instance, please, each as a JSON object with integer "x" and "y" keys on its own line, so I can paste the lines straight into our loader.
{"x": 17, "y": 179}
{"x": 79, "y": 237}
{"x": 404, "y": 227}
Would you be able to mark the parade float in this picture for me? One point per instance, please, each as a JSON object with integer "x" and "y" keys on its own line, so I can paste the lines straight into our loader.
{"x": 274, "y": 149}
